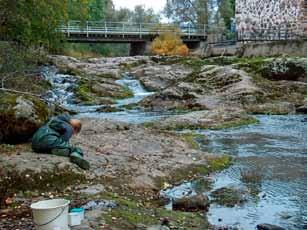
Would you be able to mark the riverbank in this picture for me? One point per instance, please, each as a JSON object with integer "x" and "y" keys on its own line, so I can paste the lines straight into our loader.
{"x": 127, "y": 160}
{"x": 151, "y": 141}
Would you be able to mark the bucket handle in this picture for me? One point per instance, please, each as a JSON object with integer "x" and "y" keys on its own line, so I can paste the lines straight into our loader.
{"x": 50, "y": 221}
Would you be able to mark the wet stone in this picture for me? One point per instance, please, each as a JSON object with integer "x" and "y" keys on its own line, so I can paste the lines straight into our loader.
{"x": 193, "y": 203}
{"x": 99, "y": 205}
{"x": 269, "y": 227}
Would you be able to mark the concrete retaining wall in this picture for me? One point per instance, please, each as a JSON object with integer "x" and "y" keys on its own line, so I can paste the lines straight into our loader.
{"x": 291, "y": 48}
{"x": 254, "y": 49}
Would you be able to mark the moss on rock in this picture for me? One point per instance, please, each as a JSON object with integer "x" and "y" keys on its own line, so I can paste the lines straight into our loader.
{"x": 228, "y": 197}
{"x": 218, "y": 119}
{"x": 191, "y": 139}
{"x": 213, "y": 164}
{"x": 20, "y": 116}
{"x": 133, "y": 212}
{"x": 92, "y": 92}
{"x": 13, "y": 181}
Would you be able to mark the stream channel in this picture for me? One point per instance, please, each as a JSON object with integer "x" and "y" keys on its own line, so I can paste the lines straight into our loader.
{"x": 274, "y": 151}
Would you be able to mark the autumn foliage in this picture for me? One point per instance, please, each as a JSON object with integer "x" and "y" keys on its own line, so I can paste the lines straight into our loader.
{"x": 169, "y": 43}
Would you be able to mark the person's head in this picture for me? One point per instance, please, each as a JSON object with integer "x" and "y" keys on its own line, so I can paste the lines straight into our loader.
{"x": 76, "y": 125}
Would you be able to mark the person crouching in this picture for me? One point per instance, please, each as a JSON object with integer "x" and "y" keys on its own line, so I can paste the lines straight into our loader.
{"x": 53, "y": 138}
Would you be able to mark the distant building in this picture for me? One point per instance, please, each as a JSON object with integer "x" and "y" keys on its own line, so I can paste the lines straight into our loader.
{"x": 271, "y": 19}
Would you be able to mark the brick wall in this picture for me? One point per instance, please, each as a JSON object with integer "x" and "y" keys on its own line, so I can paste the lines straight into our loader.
{"x": 253, "y": 16}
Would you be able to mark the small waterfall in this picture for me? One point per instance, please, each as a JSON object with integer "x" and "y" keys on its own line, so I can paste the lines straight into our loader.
{"x": 62, "y": 91}
{"x": 62, "y": 86}
{"x": 139, "y": 93}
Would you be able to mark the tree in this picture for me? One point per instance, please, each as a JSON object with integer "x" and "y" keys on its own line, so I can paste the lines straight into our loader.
{"x": 122, "y": 15}
{"x": 108, "y": 10}
{"x": 192, "y": 11}
{"x": 141, "y": 15}
{"x": 95, "y": 10}
{"x": 77, "y": 9}
{"x": 33, "y": 22}
{"x": 227, "y": 11}
{"x": 169, "y": 43}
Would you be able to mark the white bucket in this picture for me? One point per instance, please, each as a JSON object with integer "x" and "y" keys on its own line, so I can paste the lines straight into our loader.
{"x": 51, "y": 214}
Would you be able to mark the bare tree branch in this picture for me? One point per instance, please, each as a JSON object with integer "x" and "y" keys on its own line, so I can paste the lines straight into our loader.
{"x": 21, "y": 92}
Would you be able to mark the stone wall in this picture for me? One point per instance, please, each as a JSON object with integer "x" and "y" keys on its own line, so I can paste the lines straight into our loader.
{"x": 262, "y": 16}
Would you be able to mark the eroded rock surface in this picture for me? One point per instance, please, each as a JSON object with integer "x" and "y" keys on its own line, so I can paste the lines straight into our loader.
{"x": 206, "y": 119}
{"x": 273, "y": 86}
{"x": 20, "y": 116}
{"x": 134, "y": 157}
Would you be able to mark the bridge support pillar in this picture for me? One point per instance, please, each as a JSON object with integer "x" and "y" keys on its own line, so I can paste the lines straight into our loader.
{"x": 139, "y": 48}
{"x": 193, "y": 45}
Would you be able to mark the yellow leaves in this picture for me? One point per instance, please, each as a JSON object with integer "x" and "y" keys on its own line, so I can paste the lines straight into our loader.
{"x": 169, "y": 43}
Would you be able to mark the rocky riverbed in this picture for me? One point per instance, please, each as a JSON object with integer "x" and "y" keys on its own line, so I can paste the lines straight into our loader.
{"x": 141, "y": 118}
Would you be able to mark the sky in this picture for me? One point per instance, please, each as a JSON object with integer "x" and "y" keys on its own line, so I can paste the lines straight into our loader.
{"x": 157, "y": 5}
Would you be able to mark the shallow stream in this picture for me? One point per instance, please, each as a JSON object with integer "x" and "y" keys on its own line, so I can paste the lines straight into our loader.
{"x": 274, "y": 150}
{"x": 62, "y": 93}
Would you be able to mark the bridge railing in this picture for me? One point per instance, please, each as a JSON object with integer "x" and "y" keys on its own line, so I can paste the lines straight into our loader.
{"x": 126, "y": 28}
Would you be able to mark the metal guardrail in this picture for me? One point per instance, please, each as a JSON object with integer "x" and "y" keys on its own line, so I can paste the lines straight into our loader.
{"x": 123, "y": 29}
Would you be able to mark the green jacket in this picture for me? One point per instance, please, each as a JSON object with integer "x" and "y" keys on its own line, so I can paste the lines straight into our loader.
{"x": 54, "y": 136}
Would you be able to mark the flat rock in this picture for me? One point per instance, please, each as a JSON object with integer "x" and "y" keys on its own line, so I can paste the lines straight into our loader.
{"x": 206, "y": 119}
{"x": 130, "y": 156}
{"x": 92, "y": 189}
{"x": 275, "y": 108}
{"x": 192, "y": 203}
{"x": 158, "y": 77}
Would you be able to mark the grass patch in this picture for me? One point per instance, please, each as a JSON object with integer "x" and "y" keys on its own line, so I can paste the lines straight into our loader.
{"x": 236, "y": 123}
{"x": 125, "y": 93}
{"x": 228, "y": 197}
{"x": 214, "y": 164}
{"x": 191, "y": 139}
{"x": 132, "y": 212}
{"x": 202, "y": 185}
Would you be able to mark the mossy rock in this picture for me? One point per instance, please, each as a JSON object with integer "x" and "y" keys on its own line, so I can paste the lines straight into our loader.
{"x": 20, "y": 117}
{"x": 285, "y": 69}
{"x": 32, "y": 84}
{"x": 228, "y": 197}
{"x": 213, "y": 164}
{"x": 27, "y": 181}
{"x": 133, "y": 212}
{"x": 91, "y": 92}
{"x": 109, "y": 109}
{"x": 215, "y": 119}
{"x": 274, "y": 108}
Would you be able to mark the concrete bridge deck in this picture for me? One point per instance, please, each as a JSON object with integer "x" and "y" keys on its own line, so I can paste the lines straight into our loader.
{"x": 139, "y": 35}
{"x": 92, "y": 31}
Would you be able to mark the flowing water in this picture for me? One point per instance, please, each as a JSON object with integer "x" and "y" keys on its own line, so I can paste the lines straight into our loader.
{"x": 275, "y": 150}
{"x": 62, "y": 93}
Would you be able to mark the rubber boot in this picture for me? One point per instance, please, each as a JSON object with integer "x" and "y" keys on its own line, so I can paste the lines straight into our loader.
{"x": 77, "y": 159}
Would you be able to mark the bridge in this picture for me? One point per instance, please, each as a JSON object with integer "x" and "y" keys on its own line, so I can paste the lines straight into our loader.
{"x": 139, "y": 35}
